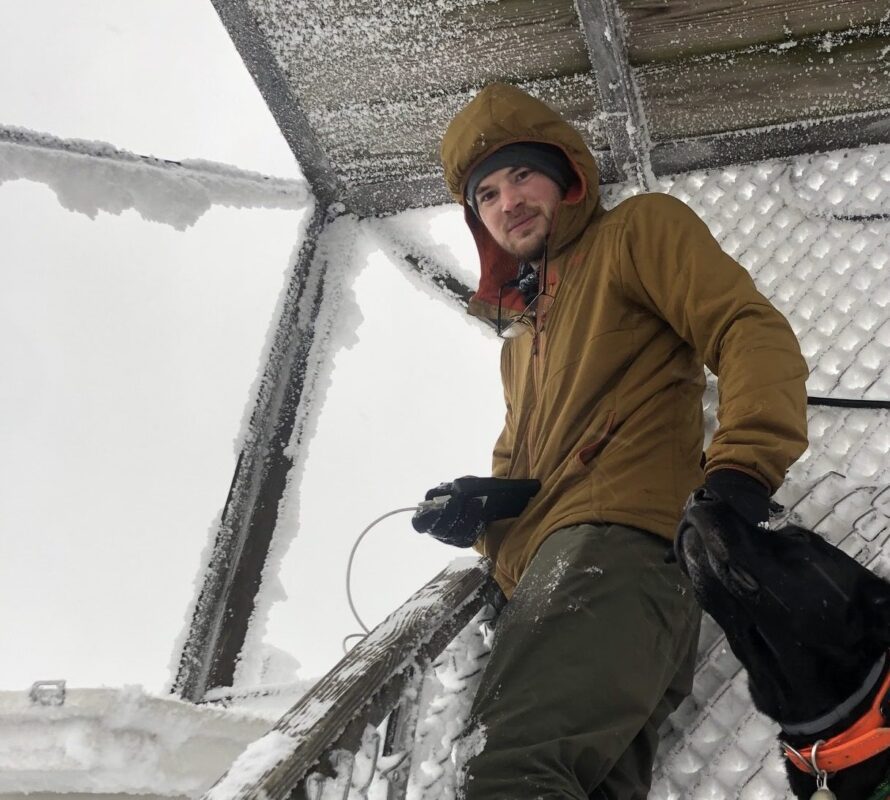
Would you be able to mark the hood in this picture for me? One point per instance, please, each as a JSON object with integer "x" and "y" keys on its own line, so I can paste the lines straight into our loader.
{"x": 500, "y": 115}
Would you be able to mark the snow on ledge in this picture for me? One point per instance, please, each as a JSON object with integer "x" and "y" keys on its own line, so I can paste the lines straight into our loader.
{"x": 88, "y": 177}
{"x": 118, "y": 741}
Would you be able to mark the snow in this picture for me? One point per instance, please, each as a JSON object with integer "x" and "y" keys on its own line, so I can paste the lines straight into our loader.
{"x": 118, "y": 740}
{"x": 257, "y": 759}
{"x": 89, "y": 177}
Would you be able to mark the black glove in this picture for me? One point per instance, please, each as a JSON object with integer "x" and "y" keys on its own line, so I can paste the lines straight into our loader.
{"x": 455, "y": 519}
{"x": 745, "y": 495}
{"x": 456, "y": 513}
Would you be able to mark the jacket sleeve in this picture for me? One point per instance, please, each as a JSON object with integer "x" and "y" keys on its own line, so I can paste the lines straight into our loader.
{"x": 672, "y": 266}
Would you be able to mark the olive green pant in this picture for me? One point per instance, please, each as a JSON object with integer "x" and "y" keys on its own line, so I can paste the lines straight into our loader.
{"x": 595, "y": 648}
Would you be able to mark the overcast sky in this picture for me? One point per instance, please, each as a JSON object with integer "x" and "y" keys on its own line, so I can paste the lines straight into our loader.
{"x": 128, "y": 350}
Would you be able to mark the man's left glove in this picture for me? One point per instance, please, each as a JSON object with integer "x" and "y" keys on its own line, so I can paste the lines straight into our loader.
{"x": 740, "y": 494}
{"x": 747, "y": 496}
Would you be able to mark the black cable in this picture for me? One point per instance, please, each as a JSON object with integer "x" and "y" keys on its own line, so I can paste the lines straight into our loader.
{"x": 843, "y": 402}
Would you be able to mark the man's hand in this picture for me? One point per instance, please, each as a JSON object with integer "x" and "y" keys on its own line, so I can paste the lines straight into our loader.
{"x": 456, "y": 513}
{"x": 729, "y": 492}
{"x": 450, "y": 517}
{"x": 747, "y": 496}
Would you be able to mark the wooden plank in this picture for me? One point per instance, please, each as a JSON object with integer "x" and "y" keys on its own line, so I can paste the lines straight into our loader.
{"x": 754, "y": 89}
{"x": 740, "y": 147}
{"x": 661, "y": 30}
{"x": 624, "y": 121}
{"x": 277, "y": 91}
{"x": 232, "y": 578}
{"x": 381, "y": 199}
{"x": 389, "y": 142}
{"x": 334, "y": 53}
{"x": 363, "y": 687}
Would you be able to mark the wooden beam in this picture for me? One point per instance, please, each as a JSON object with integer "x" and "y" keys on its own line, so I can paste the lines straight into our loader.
{"x": 687, "y": 155}
{"x": 783, "y": 141}
{"x": 662, "y": 31}
{"x": 336, "y": 54}
{"x": 625, "y": 123}
{"x": 363, "y": 688}
{"x": 373, "y": 142}
{"x": 232, "y": 578}
{"x": 768, "y": 86}
{"x": 277, "y": 91}
{"x": 390, "y": 197}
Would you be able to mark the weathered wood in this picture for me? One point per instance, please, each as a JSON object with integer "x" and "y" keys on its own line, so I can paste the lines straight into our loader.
{"x": 624, "y": 120}
{"x": 278, "y": 92}
{"x": 371, "y": 142}
{"x": 660, "y": 30}
{"x": 754, "y": 89}
{"x": 363, "y": 687}
{"x": 232, "y": 578}
{"x": 382, "y": 199}
{"x": 740, "y": 147}
{"x": 402, "y": 49}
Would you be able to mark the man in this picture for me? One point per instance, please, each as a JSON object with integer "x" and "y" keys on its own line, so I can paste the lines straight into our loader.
{"x": 608, "y": 319}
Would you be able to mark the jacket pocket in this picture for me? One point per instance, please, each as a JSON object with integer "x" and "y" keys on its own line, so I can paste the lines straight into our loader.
{"x": 590, "y": 451}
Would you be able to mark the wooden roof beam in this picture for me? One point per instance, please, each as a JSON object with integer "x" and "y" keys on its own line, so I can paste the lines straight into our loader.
{"x": 776, "y": 141}
{"x": 624, "y": 121}
{"x": 275, "y": 88}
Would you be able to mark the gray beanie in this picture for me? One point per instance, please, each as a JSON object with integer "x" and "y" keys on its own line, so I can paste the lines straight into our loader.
{"x": 544, "y": 158}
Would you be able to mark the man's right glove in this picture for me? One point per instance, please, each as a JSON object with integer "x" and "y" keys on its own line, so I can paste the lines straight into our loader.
{"x": 450, "y": 517}
{"x": 456, "y": 513}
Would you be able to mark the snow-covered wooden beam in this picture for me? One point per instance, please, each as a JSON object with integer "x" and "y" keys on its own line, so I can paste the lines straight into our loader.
{"x": 89, "y": 177}
{"x": 382, "y": 199}
{"x": 253, "y": 48}
{"x": 776, "y": 141}
{"x": 363, "y": 688}
{"x": 233, "y": 575}
{"x": 624, "y": 121}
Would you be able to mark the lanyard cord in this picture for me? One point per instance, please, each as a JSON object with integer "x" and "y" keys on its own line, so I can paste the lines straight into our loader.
{"x": 349, "y": 573}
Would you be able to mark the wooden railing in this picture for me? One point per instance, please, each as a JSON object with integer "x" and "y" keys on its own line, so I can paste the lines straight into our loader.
{"x": 372, "y": 682}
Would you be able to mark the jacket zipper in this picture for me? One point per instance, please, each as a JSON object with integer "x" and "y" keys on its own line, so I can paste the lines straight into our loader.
{"x": 538, "y": 346}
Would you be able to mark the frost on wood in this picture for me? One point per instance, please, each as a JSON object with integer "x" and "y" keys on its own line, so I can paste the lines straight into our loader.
{"x": 89, "y": 177}
{"x": 442, "y": 704}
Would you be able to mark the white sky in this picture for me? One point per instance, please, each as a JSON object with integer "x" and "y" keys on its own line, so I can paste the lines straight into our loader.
{"x": 129, "y": 349}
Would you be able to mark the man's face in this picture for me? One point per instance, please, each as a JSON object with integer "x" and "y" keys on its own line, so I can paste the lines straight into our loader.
{"x": 516, "y": 205}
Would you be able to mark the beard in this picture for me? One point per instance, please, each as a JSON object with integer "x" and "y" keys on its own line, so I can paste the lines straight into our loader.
{"x": 530, "y": 248}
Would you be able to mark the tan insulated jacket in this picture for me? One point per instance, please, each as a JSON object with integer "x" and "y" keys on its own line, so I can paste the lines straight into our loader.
{"x": 604, "y": 389}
